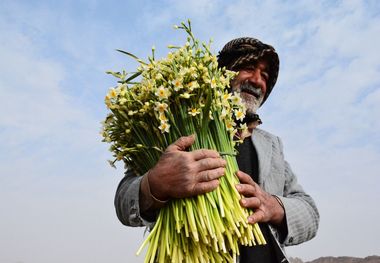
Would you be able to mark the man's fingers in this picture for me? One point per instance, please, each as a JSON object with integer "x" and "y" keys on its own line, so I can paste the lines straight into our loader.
{"x": 244, "y": 178}
{"x": 251, "y": 202}
{"x": 210, "y": 163}
{"x": 204, "y": 153}
{"x": 182, "y": 143}
{"x": 246, "y": 189}
{"x": 256, "y": 217}
{"x": 210, "y": 175}
{"x": 205, "y": 187}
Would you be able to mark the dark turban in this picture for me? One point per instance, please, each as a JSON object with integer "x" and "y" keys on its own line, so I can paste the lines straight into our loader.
{"x": 244, "y": 51}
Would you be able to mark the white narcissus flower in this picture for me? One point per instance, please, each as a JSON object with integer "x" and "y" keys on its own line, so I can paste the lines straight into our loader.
{"x": 226, "y": 97}
{"x": 225, "y": 104}
{"x": 213, "y": 83}
{"x": 183, "y": 72}
{"x": 193, "y": 72}
{"x": 146, "y": 106}
{"x": 123, "y": 92}
{"x": 122, "y": 101}
{"x": 112, "y": 93}
{"x": 162, "y": 117}
{"x": 164, "y": 127}
{"x": 206, "y": 76}
{"x": 223, "y": 113}
{"x": 177, "y": 83}
{"x": 192, "y": 85}
{"x": 239, "y": 115}
{"x": 206, "y": 58}
{"x": 161, "y": 106}
{"x": 148, "y": 84}
{"x": 118, "y": 89}
{"x": 158, "y": 76}
{"x": 230, "y": 125}
{"x": 162, "y": 93}
{"x": 194, "y": 111}
{"x": 222, "y": 80}
{"x": 142, "y": 68}
{"x": 236, "y": 99}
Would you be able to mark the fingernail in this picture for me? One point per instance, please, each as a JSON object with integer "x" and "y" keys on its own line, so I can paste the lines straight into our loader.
{"x": 243, "y": 201}
{"x": 250, "y": 220}
{"x": 238, "y": 186}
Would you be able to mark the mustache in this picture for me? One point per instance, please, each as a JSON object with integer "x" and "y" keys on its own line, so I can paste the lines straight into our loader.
{"x": 251, "y": 89}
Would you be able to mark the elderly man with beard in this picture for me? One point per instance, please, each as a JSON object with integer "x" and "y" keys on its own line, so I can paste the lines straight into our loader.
{"x": 286, "y": 214}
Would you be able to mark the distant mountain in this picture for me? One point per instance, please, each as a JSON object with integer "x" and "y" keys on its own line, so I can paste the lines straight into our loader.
{"x": 370, "y": 259}
{"x": 295, "y": 260}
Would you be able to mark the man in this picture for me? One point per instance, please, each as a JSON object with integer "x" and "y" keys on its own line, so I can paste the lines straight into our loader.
{"x": 286, "y": 214}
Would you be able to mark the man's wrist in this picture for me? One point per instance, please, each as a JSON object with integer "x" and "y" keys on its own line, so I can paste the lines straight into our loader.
{"x": 147, "y": 200}
{"x": 156, "y": 199}
{"x": 279, "y": 214}
{"x": 282, "y": 227}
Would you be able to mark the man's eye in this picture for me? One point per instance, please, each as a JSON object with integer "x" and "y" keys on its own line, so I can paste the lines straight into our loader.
{"x": 265, "y": 76}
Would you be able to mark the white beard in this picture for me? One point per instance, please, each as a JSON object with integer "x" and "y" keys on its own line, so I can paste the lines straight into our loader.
{"x": 251, "y": 102}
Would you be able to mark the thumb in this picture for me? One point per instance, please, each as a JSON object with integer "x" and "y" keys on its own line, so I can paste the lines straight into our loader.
{"x": 182, "y": 143}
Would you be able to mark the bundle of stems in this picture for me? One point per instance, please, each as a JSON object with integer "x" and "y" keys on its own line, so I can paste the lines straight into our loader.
{"x": 183, "y": 94}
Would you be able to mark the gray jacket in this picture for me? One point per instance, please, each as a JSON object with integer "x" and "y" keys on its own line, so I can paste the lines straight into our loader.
{"x": 275, "y": 177}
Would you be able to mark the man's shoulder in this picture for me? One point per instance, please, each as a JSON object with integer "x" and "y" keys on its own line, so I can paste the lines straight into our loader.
{"x": 266, "y": 134}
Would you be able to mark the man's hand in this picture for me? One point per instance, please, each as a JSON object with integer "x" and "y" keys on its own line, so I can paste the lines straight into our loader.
{"x": 265, "y": 206}
{"x": 180, "y": 174}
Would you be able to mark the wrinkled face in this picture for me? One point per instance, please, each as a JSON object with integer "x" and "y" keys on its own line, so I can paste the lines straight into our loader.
{"x": 251, "y": 82}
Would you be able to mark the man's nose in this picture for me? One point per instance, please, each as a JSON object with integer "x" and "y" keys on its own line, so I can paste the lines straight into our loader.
{"x": 254, "y": 76}
{"x": 256, "y": 80}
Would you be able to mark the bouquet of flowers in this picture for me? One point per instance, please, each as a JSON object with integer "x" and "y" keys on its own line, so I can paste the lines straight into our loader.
{"x": 183, "y": 94}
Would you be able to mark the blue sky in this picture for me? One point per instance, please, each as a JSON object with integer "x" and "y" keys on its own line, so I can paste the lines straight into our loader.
{"x": 56, "y": 187}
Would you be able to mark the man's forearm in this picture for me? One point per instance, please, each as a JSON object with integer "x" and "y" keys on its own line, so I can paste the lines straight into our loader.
{"x": 149, "y": 205}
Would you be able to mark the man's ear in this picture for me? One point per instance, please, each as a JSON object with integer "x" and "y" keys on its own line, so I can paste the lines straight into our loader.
{"x": 233, "y": 83}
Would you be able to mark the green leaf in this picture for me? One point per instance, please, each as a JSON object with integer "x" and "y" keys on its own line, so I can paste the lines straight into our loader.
{"x": 132, "y": 77}
{"x": 127, "y": 53}
{"x": 131, "y": 55}
{"x": 115, "y": 74}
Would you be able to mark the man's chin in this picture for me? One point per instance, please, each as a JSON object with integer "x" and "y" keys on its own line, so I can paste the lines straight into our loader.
{"x": 252, "y": 107}
{"x": 252, "y": 104}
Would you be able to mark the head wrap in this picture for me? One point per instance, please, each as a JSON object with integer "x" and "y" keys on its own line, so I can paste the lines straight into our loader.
{"x": 244, "y": 51}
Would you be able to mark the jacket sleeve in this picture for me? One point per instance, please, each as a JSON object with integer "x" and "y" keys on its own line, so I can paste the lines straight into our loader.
{"x": 127, "y": 201}
{"x": 302, "y": 216}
